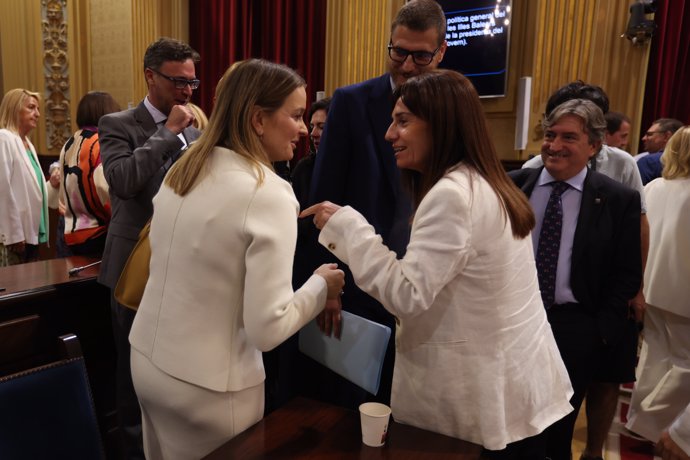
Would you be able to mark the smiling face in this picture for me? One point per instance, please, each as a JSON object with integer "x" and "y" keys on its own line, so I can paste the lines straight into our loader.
{"x": 412, "y": 40}
{"x": 162, "y": 92}
{"x": 655, "y": 138}
{"x": 28, "y": 116}
{"x": 411, "y": 138}
{"x": 566, "y": 148}
{"x": 280, "y": 130}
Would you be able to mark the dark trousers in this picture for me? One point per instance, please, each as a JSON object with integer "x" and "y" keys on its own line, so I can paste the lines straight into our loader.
{"x": 579, "y": 342}
{"x": 128, "y": 411}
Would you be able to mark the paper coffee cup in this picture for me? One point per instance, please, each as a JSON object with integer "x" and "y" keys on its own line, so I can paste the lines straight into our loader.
{"x": 374, "y": 418}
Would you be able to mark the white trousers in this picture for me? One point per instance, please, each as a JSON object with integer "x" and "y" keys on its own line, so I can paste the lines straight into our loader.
{"x": 662, "y": 391}
{"x": 185, "y": 421}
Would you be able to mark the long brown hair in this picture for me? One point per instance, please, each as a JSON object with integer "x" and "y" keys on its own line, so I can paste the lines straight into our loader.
{"x": 245, "y": 86}
{"x": 449, "y": 103}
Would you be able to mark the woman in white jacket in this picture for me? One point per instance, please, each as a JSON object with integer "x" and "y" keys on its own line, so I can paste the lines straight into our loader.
{"x": 220, "y": 292}
{"x": 661, "y": 398}
{"x": 24, "y": 192}
{"x": 475, "y": 355}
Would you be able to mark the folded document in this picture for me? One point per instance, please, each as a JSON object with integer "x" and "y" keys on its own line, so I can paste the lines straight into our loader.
{"x": 357, "y": 355}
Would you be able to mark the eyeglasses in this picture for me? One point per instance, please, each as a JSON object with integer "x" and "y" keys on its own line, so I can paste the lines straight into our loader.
{"x": 418, "y": 57}
{"x": 651, "y": 133}
{"x": 180, "y": 83}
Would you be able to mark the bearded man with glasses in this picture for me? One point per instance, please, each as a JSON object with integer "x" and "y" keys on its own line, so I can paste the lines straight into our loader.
{"x": 138, "y": 146}
{"x": 356, "y": 166}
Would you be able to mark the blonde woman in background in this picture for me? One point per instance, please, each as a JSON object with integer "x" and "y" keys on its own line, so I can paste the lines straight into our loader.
{"x": 660, "y": 403}
{"x": 24, "y": 192}
{"x": 200, "y": 119}
{"x": 222, "y": 241}
{"x": 84, "y": 194}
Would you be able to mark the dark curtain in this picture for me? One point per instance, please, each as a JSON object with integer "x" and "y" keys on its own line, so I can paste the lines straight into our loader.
{"x": 291, "y": 32}
{"x": 667, "y": 91}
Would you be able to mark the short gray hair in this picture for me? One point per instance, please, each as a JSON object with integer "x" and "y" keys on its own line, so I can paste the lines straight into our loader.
{"x": 590, "y": 114}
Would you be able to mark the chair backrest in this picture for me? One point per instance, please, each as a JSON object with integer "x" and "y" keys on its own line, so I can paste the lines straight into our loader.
{"x": 24, "y": 344}
{"x": 48, "y": 412}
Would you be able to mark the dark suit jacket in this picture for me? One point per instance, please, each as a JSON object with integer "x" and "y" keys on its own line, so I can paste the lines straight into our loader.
{"x": 606, "y": 268}
{"x": 356, "y": 166}
{"x": 136, "y": 154}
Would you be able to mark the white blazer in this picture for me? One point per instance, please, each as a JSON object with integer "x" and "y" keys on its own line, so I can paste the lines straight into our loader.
{"x": 21, "y": 197}
{"x": 476, "y": 358}
{"x": 220, "y": 288}
{"x": 668, "y": 264}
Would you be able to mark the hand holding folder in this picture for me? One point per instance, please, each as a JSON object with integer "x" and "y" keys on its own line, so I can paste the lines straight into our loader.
{"x": 357, "y": 356}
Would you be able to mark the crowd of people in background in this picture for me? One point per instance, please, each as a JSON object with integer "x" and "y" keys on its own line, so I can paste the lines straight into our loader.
{"x": 512, "y": 296}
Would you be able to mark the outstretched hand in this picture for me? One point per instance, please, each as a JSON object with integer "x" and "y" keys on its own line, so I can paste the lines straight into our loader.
{"x": 321, "y": 212}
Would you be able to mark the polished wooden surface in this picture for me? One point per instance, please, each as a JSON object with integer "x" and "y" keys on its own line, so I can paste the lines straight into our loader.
{"x": 35, "y": 278}
{"x": 307, "y": 429}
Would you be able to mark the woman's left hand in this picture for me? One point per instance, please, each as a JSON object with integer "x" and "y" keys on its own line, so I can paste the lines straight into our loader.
{"x": 321, "y": 212}
{"x": 330, "y": 320}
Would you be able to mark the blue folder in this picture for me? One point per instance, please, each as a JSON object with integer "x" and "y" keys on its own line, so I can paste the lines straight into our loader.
{"x": 357, "y": 356}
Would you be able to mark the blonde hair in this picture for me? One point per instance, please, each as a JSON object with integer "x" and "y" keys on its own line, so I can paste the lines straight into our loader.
{"x": 200, "y": 119}
{"x": 676, "y": 156}
{"x": 245, "y": 86}
{"x": 11, "y": 104}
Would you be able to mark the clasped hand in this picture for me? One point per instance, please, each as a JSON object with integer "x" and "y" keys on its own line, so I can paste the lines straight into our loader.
{"x": 179, "y": 118}
{"x": 329, "y": 320}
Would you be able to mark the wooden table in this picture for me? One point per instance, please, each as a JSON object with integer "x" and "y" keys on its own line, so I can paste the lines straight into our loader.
{"x": 307, "y": 429}
{"x": 34, "y": 279}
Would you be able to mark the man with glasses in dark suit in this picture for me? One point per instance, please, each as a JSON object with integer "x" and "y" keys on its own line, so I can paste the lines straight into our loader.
{"x": 138, "y": 146}
{"x": 356, "y": 166}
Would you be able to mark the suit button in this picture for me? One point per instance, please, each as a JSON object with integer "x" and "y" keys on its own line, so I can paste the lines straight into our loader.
{"x": 331, "y": 246}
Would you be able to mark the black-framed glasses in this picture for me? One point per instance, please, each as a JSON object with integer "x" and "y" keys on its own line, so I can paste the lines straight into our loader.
{"x": 418, "y": 57}
{"x": 180, "y": 83}
{"x": 651, "y": 133}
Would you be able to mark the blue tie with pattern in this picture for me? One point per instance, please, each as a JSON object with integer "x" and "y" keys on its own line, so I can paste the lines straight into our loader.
{"x": 550, "y": 243}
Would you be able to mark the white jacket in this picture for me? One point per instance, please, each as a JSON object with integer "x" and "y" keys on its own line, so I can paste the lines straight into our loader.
{"x": 21, "y": 198}
{"x": 668, "y": 264}
{"x": 476, "y": 358}
{"x": 220, "y": 288}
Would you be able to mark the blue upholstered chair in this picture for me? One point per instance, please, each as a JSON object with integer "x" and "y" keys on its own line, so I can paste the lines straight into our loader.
{"x": 47, "y": 412}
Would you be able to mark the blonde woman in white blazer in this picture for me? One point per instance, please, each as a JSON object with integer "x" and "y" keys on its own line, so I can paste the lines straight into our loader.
{"x": 475, "y": 355}
{"x": 222, "y": 238}
{"x": 662, "y": 391}
{"x": 24, "y": 193}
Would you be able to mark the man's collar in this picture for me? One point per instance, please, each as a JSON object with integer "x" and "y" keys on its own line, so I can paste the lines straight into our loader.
{"x": 157, "y": 115}
{"x": 576, "y": 182}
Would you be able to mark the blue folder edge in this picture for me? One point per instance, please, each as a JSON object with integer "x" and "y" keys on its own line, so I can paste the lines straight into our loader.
{"x": 357, "y": 356}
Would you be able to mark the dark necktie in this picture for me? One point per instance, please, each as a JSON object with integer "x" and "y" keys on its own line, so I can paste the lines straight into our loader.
{"x": 550, "y": 243}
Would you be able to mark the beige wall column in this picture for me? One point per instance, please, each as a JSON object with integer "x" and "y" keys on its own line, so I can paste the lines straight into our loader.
{"x": 357, "y": 33}
{"x": 21, "y": 49}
